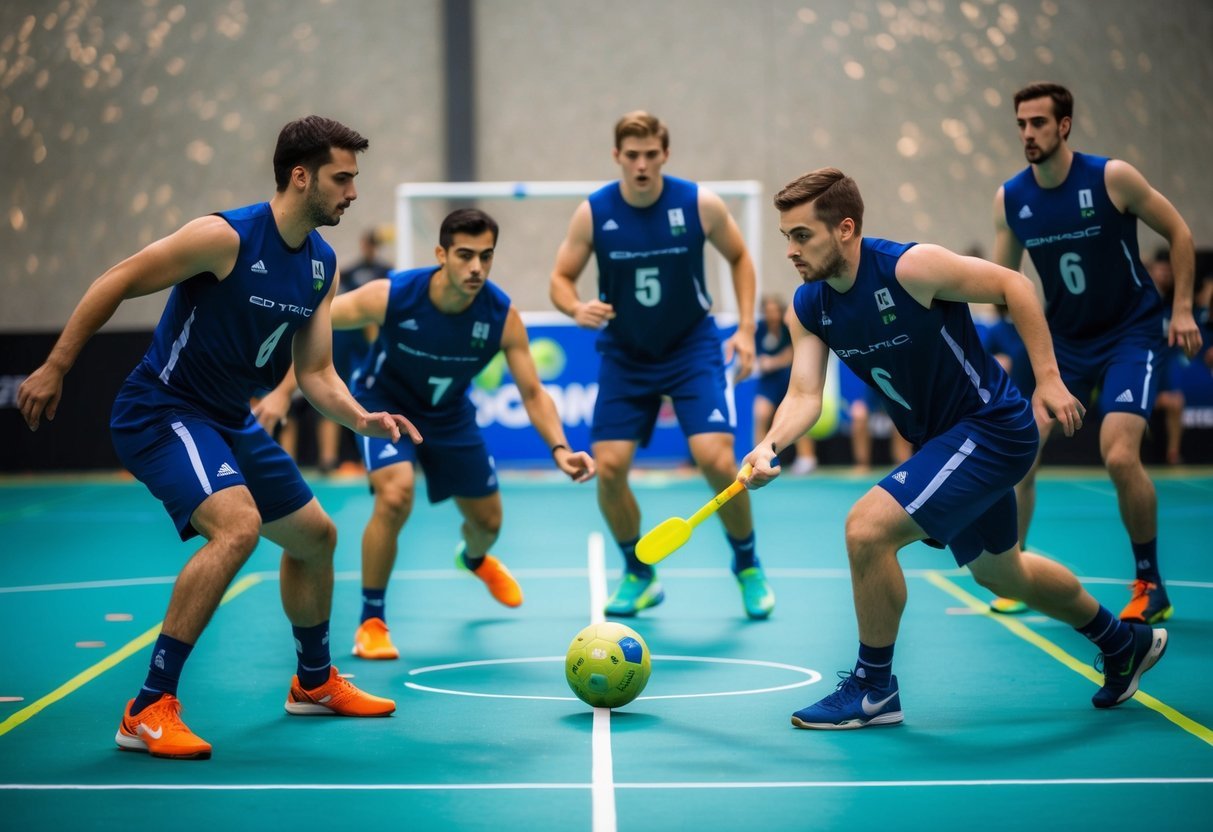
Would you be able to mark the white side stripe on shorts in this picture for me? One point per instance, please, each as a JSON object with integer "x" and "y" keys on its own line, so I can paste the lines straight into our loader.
{"x": 190, "y": 448}
{"x": 933, "y": 486}
{"x": 1145, "y": 388}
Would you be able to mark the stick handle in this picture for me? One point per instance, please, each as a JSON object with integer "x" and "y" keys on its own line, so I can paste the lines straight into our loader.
{"x": 720, "y": 499}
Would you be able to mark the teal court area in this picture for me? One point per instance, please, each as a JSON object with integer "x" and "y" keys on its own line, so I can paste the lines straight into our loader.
{"x": 999, "y": 730}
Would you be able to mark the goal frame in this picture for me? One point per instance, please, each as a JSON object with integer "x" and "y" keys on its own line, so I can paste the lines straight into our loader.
{"x": 749, "y": 191}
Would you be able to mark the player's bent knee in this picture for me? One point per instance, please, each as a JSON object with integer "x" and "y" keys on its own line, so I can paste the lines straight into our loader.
{"x": 395, "y": 501}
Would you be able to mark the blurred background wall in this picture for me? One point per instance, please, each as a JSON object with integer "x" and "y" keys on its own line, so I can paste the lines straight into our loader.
{"x": 122, "y": 119}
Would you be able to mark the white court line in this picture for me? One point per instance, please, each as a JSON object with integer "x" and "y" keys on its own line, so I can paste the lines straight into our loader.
{"x": 566, "y": 572}
{"x": 602, "y": 769}
{"x": 460, "y": 787}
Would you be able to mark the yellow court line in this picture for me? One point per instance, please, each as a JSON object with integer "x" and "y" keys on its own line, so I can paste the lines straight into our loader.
{"x": 84, "y": 677}
{"x": 1032, "y": 637}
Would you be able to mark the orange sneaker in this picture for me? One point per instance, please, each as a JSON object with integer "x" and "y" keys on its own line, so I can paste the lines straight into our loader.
{"x": 336, "y": 697}
{"x": 159, "y": 731}
{"x": 1149, "y": 604}
{"x": 371, "y": 641}
{"x": 496, "y": 577}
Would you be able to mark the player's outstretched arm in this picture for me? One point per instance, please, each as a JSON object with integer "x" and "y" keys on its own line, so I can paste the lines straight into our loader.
{"x": 207, "y": 244}
{"x": 539, "y": 405}
{"x": 1130, "y": 192}
{"x": 571, "y": 260}
{"x": 312, "y": 350}
{"x": 800, "y": 408}
{"x": 722, "y": 232}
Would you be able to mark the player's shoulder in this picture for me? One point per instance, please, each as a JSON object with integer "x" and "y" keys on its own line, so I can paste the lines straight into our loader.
{"x": 496, "y": 296}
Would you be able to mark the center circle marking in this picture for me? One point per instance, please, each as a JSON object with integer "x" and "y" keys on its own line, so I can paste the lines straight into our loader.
{"x": 811, "y": 677}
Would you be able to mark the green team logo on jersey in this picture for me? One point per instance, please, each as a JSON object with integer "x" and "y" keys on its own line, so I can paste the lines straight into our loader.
{"x": 1086, "y": 205}
{"x": 317, "y": 275}
{"x": 678, "y": 223}
{"x": 884, "y": 303}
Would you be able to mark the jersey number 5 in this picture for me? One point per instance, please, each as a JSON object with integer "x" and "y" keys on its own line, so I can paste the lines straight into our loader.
{"x": 648, "y": 287}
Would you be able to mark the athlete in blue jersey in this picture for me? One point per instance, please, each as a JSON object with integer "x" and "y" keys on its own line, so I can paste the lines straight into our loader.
{"x": 658, "y": 339}
{"x": 438, "y": 328}
{"x": 773, "y": 365}
{"x": 897, "y": 314}
{"x": 1077, "y": 217}
{"x": 251, "y": 287}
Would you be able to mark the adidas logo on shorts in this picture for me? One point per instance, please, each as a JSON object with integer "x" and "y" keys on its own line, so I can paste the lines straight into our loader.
{"x": 388, "y": 452}
{"x": 1126, "y": 397}
{"x": 900, "y": 476}
{"x": 716, "y": 415}
{"x": 225, "y": 470}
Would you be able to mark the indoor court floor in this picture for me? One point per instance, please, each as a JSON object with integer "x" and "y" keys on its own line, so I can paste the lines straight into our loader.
{"x": 999, "y": 730}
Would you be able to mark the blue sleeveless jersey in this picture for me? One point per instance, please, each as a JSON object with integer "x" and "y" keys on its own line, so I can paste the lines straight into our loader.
{"x": 1084, "y": 250}
{"x": 221, "y": 342}
{"x": 650, "y": 267}
{"x": 927, "y": 365}
{"x": 425, "y": 359}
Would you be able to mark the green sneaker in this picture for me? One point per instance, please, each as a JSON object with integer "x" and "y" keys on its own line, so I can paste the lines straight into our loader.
{"x": 634, "y": 594}
{"x": 756, "y": 593}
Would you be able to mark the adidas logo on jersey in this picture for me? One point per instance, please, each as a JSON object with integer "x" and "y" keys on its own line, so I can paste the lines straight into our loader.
{"x": 225, "y": 470}
{"x": 1025, "y": 213}
{"x": 825, "y": 319}
{"x": 1125, "y": 398}
{"x": 610, "y": 225}
{"x": 716, "y": 415}
{"x": 900, "y": 476}
{"x": 388, "y": 452}
{"x": 410, "y": 324}
{"x": 259, "y": 268}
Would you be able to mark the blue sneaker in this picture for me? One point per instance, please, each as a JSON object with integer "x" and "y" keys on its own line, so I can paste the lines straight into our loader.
{"x": 756, "y": 593}
{"x": 634, "y": 594}
{"x": 853, "y": 704}
{"x": 1121, "y": 678}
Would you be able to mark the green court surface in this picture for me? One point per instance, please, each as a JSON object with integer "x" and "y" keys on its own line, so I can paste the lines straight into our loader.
{"x": 999, "y": 730}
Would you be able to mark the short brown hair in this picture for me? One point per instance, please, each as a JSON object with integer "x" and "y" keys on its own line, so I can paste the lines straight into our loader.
{"x": 309, "y": 141}
{"x": 834, "y": 195}
{"x": 641, "y": 125}
{"x": 1063, "y": 99}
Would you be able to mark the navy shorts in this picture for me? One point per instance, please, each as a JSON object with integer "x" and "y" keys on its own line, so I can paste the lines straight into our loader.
{"x": 960, "y": 486}
{"x": 1122, "y": 366}
{"x": 630, "y": 391}
{"x": 460, "y": 467}
{"x": 183, "y": 457}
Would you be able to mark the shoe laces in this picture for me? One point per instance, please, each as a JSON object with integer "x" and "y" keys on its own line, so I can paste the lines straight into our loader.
{"x": 1141, "y": 587}
{"x": 844, "y": 691}
{"x": 165, "y": 709}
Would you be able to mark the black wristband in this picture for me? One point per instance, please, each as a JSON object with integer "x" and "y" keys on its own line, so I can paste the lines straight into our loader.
{"x": 555, "y": 448}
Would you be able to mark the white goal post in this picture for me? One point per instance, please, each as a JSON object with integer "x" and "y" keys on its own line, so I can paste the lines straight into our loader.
{"x": 748, "y": 191}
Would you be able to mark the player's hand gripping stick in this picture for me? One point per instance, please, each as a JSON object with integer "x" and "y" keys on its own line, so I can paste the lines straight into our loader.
{"x": 670, "y": 534}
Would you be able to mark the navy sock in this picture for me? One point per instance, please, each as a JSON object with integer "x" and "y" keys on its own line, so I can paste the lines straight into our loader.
{"x": 1146, "y": 555}
{"x": 471, "y": 563}
{"x": 312, "y": 648}
{"x": 875, "y": 665}
{"x": 743, "y": 553}
{"x": 164, "y": 671}
{"x": 632, "y": 563}
{"x": 373, "y": 605}
{"x": 1111, "y": 635}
